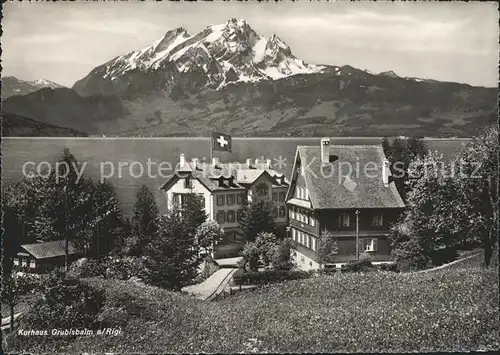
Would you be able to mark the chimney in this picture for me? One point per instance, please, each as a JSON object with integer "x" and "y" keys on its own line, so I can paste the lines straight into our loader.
{"x": 385, "y": 172}
{"x": 182, "y": 160}
{"x": 215, "y": 162}
{"x": 249, "y": 163}
{"x": 268, "y": 163}
{"x": 325, "y": 150}
{"x": 256, "y": 162}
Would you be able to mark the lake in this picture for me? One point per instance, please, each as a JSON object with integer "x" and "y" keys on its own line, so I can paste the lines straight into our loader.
{"x": 107, "y": 153}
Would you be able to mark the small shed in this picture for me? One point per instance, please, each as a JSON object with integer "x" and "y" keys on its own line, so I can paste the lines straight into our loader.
{"x": 43, "y": 255}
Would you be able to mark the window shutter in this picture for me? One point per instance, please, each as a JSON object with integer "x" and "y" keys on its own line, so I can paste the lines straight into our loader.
{"x": 375, "y": 244}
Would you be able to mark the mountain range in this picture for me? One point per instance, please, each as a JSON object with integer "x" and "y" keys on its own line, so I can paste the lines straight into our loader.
{"x": 230, "y": 78}
{"x": 13, "y": 86}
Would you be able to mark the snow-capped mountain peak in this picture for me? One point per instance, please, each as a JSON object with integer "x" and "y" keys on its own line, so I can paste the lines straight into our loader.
{"x": 13, "y": 86}
{"x": 390, "y": 74}
{"x": 223, "y": 53}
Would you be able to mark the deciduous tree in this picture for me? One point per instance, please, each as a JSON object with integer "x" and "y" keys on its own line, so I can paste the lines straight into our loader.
{"x": 256, "y": 218}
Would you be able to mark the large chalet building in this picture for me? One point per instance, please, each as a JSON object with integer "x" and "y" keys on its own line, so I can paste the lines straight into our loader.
{"x": 224, "y": 189}
{"x": 347, "y": 191}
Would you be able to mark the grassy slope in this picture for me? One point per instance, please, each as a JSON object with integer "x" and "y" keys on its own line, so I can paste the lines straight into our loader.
{"x": 446, "y": 310}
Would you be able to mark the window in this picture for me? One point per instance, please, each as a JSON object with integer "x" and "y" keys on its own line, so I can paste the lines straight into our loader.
{"x": 230, "y": 199}
{"x": 24, "y": 262}
{"x": 275, "y": 196}
{"x": 282, "y": 212}
{"x": 307, "y": 240}
{"x": 378, "y": 220}
{"x": 202, "y": 199}
{"x": 188, "y": 183}
{"x": 344, "y": 220}
{"x": 16, "y": 261}
{"x": 240, "y": 215}
{"x": 176, "y": 200}
{"x": 313, "y": 243}
{"x": 282, "y": 196}
{"x": 241, "y": 198}
{"x": 221, "y": 217}
{"x": 262, "y": 190}
{"x": 230, "y": 216}
{"x": 370, "y": 244}
{"x": 294, "y": 234}
{"x": 306, "y": 194}
{"x": 32, "y": 264}
{"x": 275, "y": 212}
{"x": 312, "y": 220}
{"x": 220, "y": 200}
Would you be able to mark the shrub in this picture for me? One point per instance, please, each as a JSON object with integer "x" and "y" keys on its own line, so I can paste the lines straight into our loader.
{"x": 269, "y": 276}
{"x": 124, "y": 268}
{"x": 326, "y": 271}
{"x": 281, "y": 258}
{"x": 251, "y": 254}
{"x": 388, "y": 267}
{"x": 86, "y": 268}
{"x": 409, "y": 255}
{"x": 362, "y": 265}
{"x": 66, "y": 303}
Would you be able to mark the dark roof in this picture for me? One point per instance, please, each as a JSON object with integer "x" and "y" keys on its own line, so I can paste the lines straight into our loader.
{"x": 234, "y": 176}
{"x": 343, "y": 182}
{"x": 50, "y": 249}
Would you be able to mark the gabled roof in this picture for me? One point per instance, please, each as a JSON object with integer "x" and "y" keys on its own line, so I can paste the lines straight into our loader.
{"x": 210, "y": 176}
{"x": 344, "y": 183}
{"x": 50, "y": 249}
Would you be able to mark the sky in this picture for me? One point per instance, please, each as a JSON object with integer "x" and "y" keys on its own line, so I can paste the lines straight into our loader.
{"x": 448, "y": 41}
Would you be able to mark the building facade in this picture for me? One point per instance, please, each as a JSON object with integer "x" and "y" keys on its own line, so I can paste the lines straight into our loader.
{"x": 347, "y": 191}
{"x": 225, "y": 188}
{"x": 44, "y": 256}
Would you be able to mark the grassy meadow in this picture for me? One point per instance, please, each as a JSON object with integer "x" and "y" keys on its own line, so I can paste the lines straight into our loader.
{"x": 453, "y": 309}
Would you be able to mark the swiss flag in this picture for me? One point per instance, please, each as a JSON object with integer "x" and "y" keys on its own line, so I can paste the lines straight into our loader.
{"x": 221, "y": 141}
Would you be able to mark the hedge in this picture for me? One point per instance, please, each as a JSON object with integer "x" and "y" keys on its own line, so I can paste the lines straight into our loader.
{"x": 361, "y": 265}
{"x": 269, "y": 276}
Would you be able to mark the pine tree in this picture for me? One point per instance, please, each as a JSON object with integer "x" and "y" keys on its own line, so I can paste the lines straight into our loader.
{"x": 109, "y": 223}
{"x": 192, "y": 213}
{"x": 144, "y": 220}
{"x": 256, "y": 218}
{"x": 171, "y": 254}
{"x": 400, "y": 153}
{"x": 327, "y": 248}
